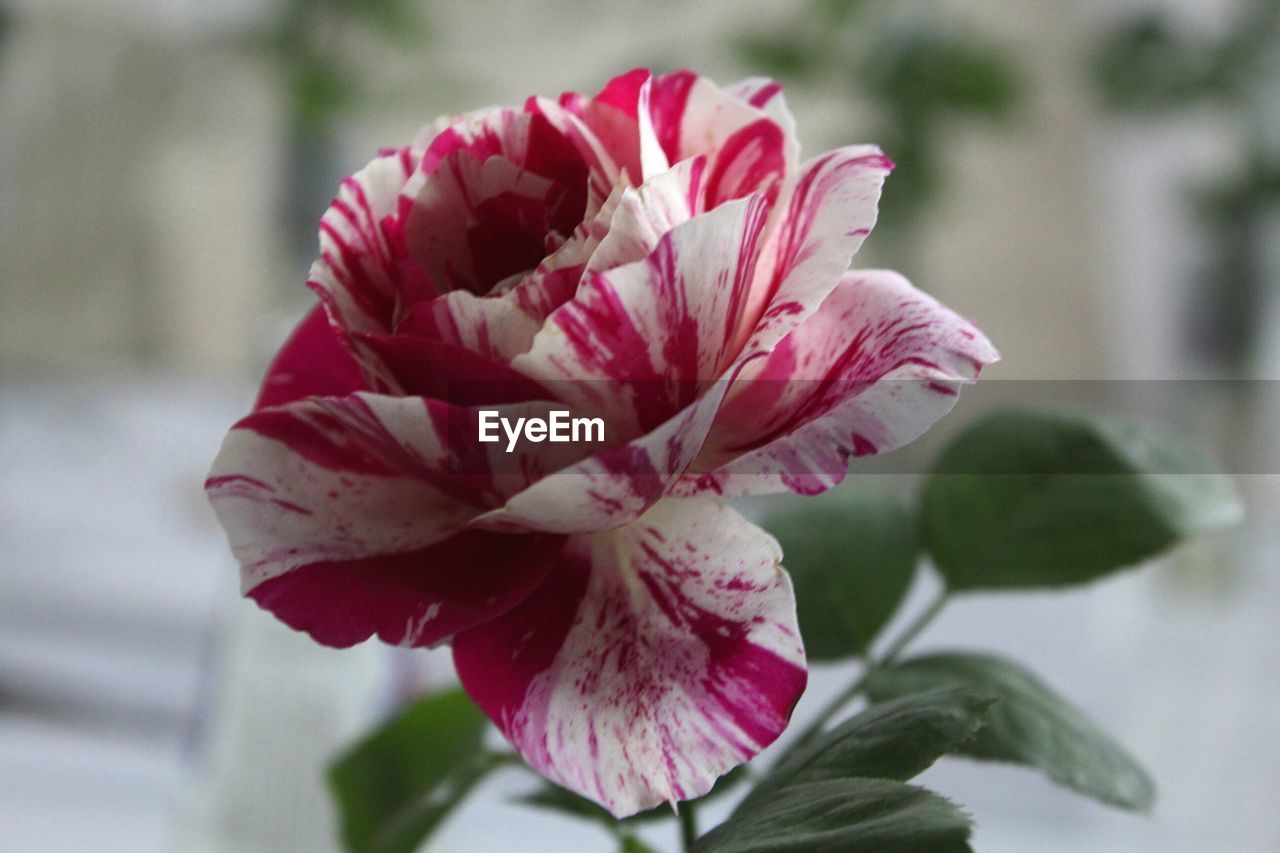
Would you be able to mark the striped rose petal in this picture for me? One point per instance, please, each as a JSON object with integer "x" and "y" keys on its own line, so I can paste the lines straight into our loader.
{"x": 828, "y": 213}
{"x": 613, "y": 487}
{"x": 872, "y": 370}
{"x": 619, "y": 117}
{"x": 766, "y": 95}
{"x": 329, "y": 479}
{"x": 636, "y": 342}
{"x": 347, "y": 516}
{"x": 642, "y": 216}
{"x": 326, "y": 479}
{"x": 654, "y": 659}
{"x": 473, "y": 222}
{"x": 362, "y": 274}
{"x": 747, "y": 150}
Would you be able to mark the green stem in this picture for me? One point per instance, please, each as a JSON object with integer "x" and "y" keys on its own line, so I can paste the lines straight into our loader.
{"x": 889, "y": 655}
{"x": 688, "y": 825}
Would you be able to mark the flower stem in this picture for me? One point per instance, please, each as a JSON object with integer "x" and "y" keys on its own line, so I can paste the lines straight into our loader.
{"x": 688, "y": 825}
{"x": 889, "y": 655}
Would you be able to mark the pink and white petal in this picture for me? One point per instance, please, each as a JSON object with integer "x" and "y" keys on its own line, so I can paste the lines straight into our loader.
{"x": 496, "y": 328}
{"x": 747, "y": 150}
{"x": 654, "y": 659}
{"x": 418, "y": 598}
{"x": 359, "y": 274}
{"x": 871, "y": 371}
{"x": 472, "y": 222}
{"x": 613, "y": 487}
{"x": 604, "y": 170}
{"x": 326, "y": 480}
{"x": 643, "y": 215}
{"x": 828, "y": 213}
{"x": 330, "y": 479}
{"x": 766, "y": 95}
{"x": 660, "y": 325}
{"x": 312, "y": 362}
{"x": 619, "y": 117}
{"x": 494, "y": 132}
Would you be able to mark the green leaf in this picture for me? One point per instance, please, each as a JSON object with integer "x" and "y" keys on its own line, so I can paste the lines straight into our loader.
{"x": 849, "y": 815}
{"x": 894, "y": 740}
{"x": 1035, "y": 499}
{"x": 1030, "y": 724}
{"x": 631, "y": 844}
{"x": 851, "y": 556}
{"x": 394, "y": 787}
{"x": 555, "y": 798}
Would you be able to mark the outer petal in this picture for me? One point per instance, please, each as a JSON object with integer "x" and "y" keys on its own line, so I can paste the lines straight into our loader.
{"x": 829, "y": 212}
{"x": 331, "y": 479}
{"x": 347, "y": 516}
{"x": 653, "y": 660}
{"x": 419, "y": 598}
{"x": 312, "y": 362}
{"x": 874, "y": 368}
{"x": 327, "y": 480}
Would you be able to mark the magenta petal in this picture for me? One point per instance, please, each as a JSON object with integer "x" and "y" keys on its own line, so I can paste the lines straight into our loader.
{"x": 420, "y": 598}
{"x": 451, "y": 373}
{"x": 654, "y": 659}
{"x": 312, "y": 362}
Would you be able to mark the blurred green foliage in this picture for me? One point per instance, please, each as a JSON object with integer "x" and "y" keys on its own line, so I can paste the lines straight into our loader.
{"x": 307, "y": 43}
{"x": 312, "y": 44}
{"x": 1155, "y": 64}
{"x": 916, "y": 72}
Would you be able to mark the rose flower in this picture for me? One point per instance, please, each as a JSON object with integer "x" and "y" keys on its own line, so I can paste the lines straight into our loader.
{"x": 654, "y": 256}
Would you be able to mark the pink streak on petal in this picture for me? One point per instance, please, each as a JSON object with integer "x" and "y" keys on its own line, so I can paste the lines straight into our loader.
{"x": 654, "y": 659}
{"x": 869, "y": 372}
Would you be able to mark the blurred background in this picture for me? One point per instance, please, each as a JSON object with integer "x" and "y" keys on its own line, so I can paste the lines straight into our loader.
{"x": 1096, "y": 184}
